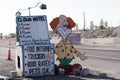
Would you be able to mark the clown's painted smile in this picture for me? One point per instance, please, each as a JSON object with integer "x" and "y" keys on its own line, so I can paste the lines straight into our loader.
{"x": 63, "y": 33}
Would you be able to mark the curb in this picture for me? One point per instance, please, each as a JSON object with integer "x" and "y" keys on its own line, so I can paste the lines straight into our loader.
{"x": 5, "y": 78}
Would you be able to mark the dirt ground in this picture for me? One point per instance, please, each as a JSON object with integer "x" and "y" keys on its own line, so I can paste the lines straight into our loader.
{"x": 103, "y": 33}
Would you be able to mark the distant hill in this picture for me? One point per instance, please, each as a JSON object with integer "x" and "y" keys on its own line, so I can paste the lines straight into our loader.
{"x": 103, "y": 33}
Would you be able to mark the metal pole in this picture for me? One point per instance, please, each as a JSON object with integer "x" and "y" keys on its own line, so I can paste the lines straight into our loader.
{"x": 43, "y": 7}
{"x": 84, "y": 20}
{"x": 29, "y": 10}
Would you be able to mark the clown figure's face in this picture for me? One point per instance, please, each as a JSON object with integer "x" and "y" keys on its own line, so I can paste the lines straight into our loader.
{"x": 63, "y": 27}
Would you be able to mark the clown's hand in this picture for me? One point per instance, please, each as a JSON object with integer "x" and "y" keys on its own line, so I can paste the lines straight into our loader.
{"x": 82, "y": 56}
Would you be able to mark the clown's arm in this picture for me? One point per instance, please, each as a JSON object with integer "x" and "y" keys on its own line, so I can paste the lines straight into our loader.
{"x": 79, "y": 54}
{"x": 57, "y": 51}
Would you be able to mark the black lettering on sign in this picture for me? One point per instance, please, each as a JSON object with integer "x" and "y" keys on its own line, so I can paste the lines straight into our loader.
{"x": 31, "y": 49}
{"x": 36, "y": 56}
{"x": 43, "y": 63}
{"x": 28, "y": 32}
{"x": 32, "y": 64}
{"x": 40, "y": 18}
{"x": 26, "y": 28}
{"x": 27, "y": 36}
{"x": 24, "y": 19}
{"x": 34, "y": 71}
{"x": 45, "y": 70}
{"x": 43, "y": 48}
{"x": 24, "y": 24}
{"x": 23, "y": 31}
{"x": 39, "y": 49}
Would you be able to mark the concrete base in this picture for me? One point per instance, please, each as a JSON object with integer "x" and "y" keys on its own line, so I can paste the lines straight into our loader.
{"x": 85, "y": 72}
{"x": 13, "y": 74}
{"x": 5, "y": 78}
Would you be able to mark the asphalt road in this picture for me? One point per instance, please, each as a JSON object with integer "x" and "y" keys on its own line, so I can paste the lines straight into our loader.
{"x": 110, "y": 53}
{"x": 102, "y": 59}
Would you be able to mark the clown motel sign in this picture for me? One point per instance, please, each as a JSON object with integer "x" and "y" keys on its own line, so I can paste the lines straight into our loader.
{"x": 32, "y": 30}
{"x": 36, "y": 52}
{"x": 38, "y": 60}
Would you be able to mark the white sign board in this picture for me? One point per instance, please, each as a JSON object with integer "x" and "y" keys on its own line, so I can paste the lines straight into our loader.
{"x": 32, "y": 30}
{"x": 38, "y": 60}
{"x": 74, "y": 38}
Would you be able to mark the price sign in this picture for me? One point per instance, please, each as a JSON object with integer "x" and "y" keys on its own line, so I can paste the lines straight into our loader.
{"x": 38, "y": 60}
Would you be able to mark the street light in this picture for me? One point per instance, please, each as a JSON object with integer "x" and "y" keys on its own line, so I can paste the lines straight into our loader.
{"x": 18, "y": 13}
{"x": 42, "y": 6}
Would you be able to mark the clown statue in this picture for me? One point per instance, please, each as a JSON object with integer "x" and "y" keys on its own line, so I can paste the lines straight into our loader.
{"x": 64, "y": 49}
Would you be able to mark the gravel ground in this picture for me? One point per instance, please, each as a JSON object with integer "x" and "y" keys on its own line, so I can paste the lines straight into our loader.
{"x": 9, "y": 65}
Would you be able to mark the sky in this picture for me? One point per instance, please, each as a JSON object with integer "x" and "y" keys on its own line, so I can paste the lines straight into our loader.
{"x": 95, "y": 10}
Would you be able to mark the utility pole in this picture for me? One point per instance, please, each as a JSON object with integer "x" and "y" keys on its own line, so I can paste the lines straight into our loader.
{"x": 84, "y": 20}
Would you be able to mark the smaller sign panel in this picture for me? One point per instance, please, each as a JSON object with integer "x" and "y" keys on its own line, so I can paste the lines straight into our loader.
{"x": 74, "y": 38}
{"x": 38, "y": 60}
{"x": 32, "y": 30}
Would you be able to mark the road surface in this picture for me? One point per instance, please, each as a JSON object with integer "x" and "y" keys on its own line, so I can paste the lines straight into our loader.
{"x": 103, "y": 59}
